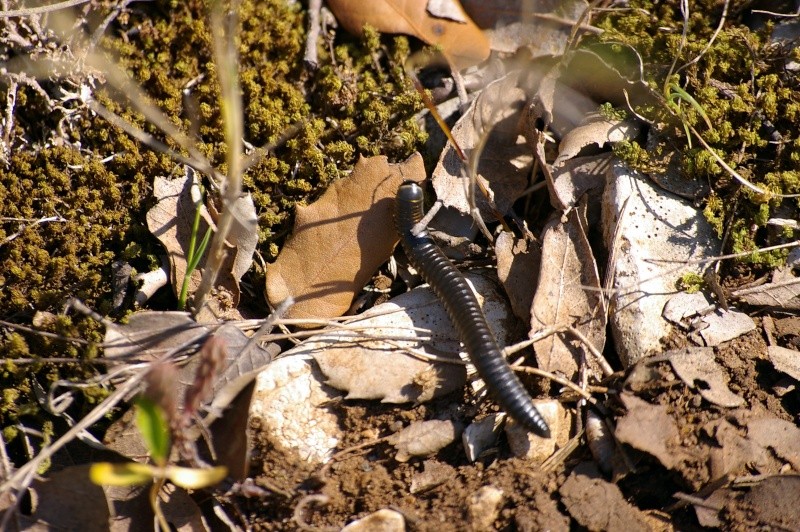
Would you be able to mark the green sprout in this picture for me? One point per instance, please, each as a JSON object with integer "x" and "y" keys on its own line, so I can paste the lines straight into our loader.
{"x": 193, "y": 258}
{"x": 674, "y": 95}
{"x": 151, "y": 421}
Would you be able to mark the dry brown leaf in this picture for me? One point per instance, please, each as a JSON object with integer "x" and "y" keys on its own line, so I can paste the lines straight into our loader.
{"x": 785, "y": 360}
{"x": 599, "y": 505}
{"x": 505, "y": 161}
{"x": 698, "y": 370}
{"x": 341, "y": 239}
{"x": 171, "y": 221}
{"x": 578, "y": 176}
{"x": 583, "y": 80}
{"x": 595, "y": 130}
{"x": 462, "y": 43}
{"x": 424, "y": 438}
{"x": 649, "y": 428}
{"x": 513, "y": 24}
{"x": 783, "y": 294}
{"x": 782, "y": 436}
{"x": 518, "y": 263}
{"x": 563, "y": 297}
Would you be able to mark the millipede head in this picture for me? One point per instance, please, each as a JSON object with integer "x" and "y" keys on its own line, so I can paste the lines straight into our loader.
{"x": 410, "y": 191}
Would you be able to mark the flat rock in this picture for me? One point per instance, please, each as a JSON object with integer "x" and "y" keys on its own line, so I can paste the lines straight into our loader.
{"x": 655, "y": 226}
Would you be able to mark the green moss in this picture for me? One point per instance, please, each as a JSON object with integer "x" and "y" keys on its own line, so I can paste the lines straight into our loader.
{"x": 740, "y": 83}
{"x": 358, "y": 102}
{"x": 690, "y": 282}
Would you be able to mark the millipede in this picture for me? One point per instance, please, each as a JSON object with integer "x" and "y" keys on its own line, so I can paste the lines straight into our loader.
{"x": 452, "y": 289}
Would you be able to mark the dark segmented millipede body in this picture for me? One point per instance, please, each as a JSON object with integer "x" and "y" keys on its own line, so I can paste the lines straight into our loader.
{"x": 462, "y": 306}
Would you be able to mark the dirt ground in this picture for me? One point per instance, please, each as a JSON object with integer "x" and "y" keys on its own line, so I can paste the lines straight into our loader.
{"x": 438, "y": 493}
{"x": 719, "y": 449}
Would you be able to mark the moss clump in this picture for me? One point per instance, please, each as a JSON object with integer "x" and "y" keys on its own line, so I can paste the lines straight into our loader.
{"x": 690, "y": 283}
{"x": 97, "y": 180}
{"x": 742, "y": 86}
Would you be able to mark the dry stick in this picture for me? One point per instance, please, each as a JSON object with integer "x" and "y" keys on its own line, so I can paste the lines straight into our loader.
{"x": 733, "y": 172}
{"x": 24, "y": 12}
{"x": 225, "y": 58}
{"x": 711, "y": 40}
{"x": 310, "y": 57}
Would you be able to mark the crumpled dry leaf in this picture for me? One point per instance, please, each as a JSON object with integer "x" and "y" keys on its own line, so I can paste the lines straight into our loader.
{"x": 568, "y": 267}
{"x": 782, "y": 436}
{"x": 579, "y": 176}
{"x": 583, "y": 80}
{"x": 649, "y": 428}
{"x": 461, "y": 41}
{"x": 599, "y": 505}
{"x": 371, "y": 368}
{"x": 783, "y": 294}
{"x": 513, "y": 24}
{"x": 770, "y": 504}
{"x": 150, "y": 334}
{"x": 722, "y": 326}
{"x": 171, "y": 220}
{"x": 696, "y": 367}
{"x": 518, "y": 263}
{"x": 595, "y": 130}
{"x": 505, "y": 161}
{"x": 341, "y": 239}
{"x": 785, "y": 360}
{"x": 424, "y": 438}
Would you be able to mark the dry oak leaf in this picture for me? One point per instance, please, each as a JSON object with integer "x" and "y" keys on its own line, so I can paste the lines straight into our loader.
{"x": 461, "y": 41}
{"x": 341, "y": 239}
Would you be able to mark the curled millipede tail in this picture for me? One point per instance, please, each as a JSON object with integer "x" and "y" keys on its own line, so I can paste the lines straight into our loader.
{"x": 462, "y": 306}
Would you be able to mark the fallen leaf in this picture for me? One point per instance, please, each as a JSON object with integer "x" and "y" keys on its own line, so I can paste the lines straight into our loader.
{"x": 599, "y": 505}
{"x": 586, "y": 78}
{"x": 578, "y": 176}
{"x": 513, "y": 24}
{"x": 518, "y": 263}
{"x": 505, "y": 161}
{"x": 722, "y": 326}
{"x": 424, "y": 438}
{"x": 783, "y": 294}
{"x": 734, "y": 453}
{"x": 785, "y": 360}
{"x": 649, "y": 428}
{"x": 340, "y": 240}
{"x": 461, "y": 41}
{"x": 564, "y": 296}
{"x": 771, "y": 504}
{"x": 595, "y": 130}
{"x": 171, "y": 221}
{"x": 698, "y": 370}
{"x": 782, "y": 436}
{"x": 372, "y": 368}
